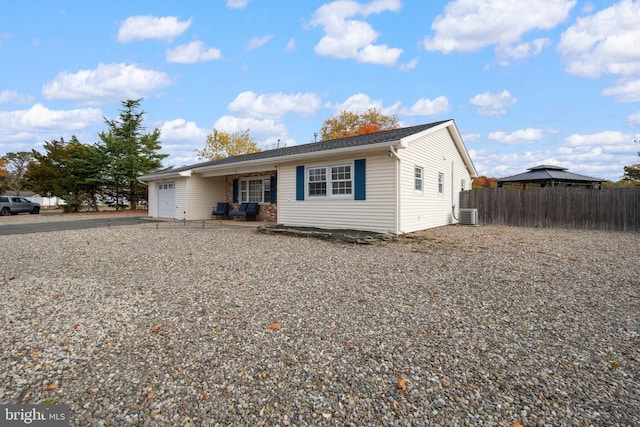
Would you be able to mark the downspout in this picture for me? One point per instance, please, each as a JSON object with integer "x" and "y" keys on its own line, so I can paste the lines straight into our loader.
{"x": 394, "y": 154}
{"x": 453, "y": 205}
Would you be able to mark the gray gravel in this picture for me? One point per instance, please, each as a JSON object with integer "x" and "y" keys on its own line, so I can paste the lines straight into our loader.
{"x": 490, "y": 326}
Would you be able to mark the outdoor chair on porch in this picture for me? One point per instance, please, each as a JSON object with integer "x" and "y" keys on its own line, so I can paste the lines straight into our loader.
{"x": 247, "y": 210}
{"x": 221, "y": 211}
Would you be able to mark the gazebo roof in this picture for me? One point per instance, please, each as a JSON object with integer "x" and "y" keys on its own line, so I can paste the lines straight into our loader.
{"x": 549, "y": 174}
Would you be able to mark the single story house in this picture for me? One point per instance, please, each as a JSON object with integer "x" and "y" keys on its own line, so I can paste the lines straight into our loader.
{"x": 395, "y": 181}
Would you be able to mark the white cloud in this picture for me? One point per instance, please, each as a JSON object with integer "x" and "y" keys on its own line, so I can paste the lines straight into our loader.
{"x": 192, "y": 52}
{"x": 361, "y": 102}
{"x": 257, "y": 127}
{"x": 428, "y": 107}
{"x": 527, "y": 136}
{"x": 12, "y": 96}
{"x": 181, "y": 130}
{"x": 274, "y": 105}
{"x": 601, "y": 154}
{"x": 470, "y": 25}
{"x": 237, "y": 4}
{"x": 151, "y": 27}
{"x": 38, "y": 122}
{"x": 493, "y": 104}
{"x": 347, "y": 38}
{"x": 634, "y": 119}
{"x": 522, "y": 50}
{"x": 409, "y": 65}
{"x": 257, "y": 42}
{"x": 624, "y": 91}
{"x": 606, "y": 42}
{"x": 614, "y": 139}
{"x": 291, "y": 45}
{"x": 106, "y": 84}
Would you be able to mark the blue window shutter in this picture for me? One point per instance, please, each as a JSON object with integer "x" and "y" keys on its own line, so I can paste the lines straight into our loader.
{"x": 360, "y": 179}
{"x": 235, "y": 190}
{"x": 273, "y": 189}
{"x": 299, "y": 182}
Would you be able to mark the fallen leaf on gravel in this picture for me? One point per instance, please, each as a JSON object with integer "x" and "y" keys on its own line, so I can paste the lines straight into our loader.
{"x": 517, "y": 424}
{"x": 189, "y": 253}
{"x": 327, "y": 415}
{"x": 401, "y": 384}
{"x": 433, "y": 294}
{"x": 274, "y": 326}
{"x": 56, "y": 296}
{"x": 155, "y": 330}
{"x": 76, "y": 326}
{"x": 614, "y": 365}
{"x": 51, "y": 386}
{"x": 65, "y": 264}
{"x": 149, "y": 394}
{"x": 446, "y": 383}
{"x": 566, "y": 367}
{"x": 12, "y": 278}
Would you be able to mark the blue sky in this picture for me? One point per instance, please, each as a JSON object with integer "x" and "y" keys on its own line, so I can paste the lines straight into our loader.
{"x": 528, "y": 83}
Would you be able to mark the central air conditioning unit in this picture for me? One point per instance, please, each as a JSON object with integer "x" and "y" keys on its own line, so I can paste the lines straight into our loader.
{"x": 469, "y": 216}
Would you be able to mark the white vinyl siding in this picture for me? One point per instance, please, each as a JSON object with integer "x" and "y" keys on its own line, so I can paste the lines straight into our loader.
{"x": 437, "y": 153}
{"x": 152, "y": 199}
{"x": 376, "y": 213}
{"x": 202, "y": 196}
{"x": 181, "y": 199}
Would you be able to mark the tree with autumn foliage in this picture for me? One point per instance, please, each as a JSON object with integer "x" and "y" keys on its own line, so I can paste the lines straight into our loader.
{"x": 351, "y": 124}
{"x": 484, "y": 182}
{"x": 222, "y": 144}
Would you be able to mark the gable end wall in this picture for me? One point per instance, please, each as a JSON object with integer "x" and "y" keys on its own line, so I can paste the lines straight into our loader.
{"x": 435, "y": 153}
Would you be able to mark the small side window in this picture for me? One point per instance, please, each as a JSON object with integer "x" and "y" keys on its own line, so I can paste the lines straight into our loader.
{"x": 418, "y": 182}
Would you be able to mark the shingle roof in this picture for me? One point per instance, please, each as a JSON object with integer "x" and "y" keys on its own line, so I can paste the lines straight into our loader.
{"x": 332, "y": 144}
{"x": 548, "y": 173}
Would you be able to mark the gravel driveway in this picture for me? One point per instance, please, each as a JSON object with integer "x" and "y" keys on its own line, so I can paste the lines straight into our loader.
{"x": 169, "y": 325}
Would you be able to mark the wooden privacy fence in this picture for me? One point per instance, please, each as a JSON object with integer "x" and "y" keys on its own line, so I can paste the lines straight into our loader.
{"x": 616, "y": 209}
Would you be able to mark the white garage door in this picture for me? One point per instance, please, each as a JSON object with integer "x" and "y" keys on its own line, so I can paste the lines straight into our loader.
{"x": 166, "y": 200}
